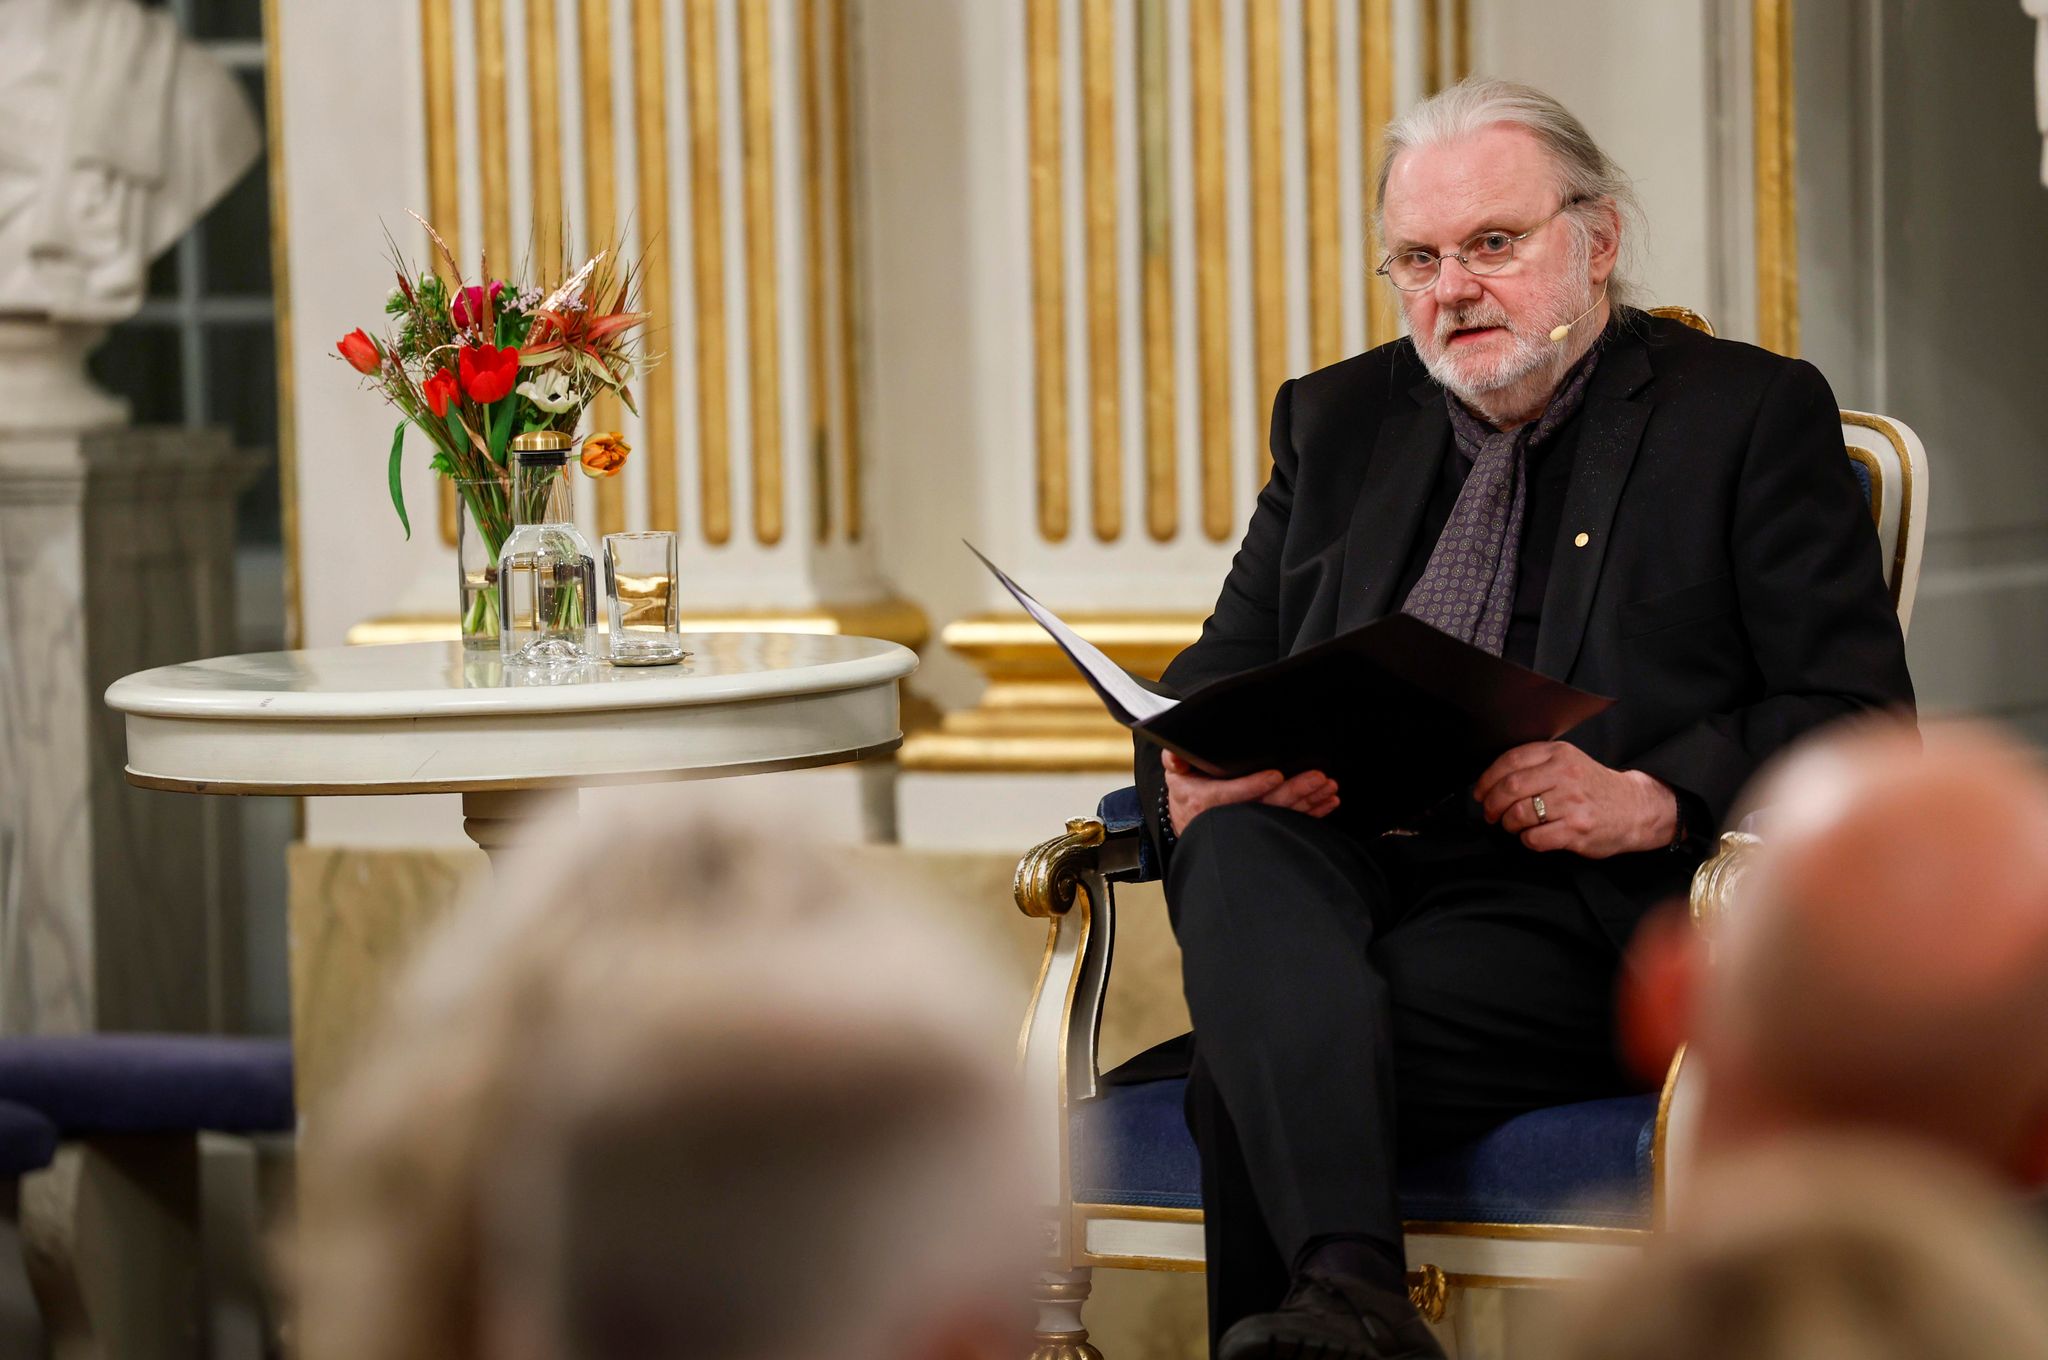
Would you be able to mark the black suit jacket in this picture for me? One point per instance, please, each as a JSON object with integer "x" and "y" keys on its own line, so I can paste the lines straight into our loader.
{"x": 1729, "y": 593}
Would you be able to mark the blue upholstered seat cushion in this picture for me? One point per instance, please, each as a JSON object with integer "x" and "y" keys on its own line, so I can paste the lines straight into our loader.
{"x": 27, "y": 1140}
{"x": 1585, "y": 1164}
{"x": 151, "y": 1083}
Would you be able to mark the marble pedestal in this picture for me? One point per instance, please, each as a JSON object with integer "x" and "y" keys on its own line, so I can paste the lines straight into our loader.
{"x": 120, "y": 906}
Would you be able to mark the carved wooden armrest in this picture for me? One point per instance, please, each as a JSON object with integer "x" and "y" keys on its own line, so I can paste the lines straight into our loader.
{"x": 1050, "y": 873}
{"x": 1716, "y": 881}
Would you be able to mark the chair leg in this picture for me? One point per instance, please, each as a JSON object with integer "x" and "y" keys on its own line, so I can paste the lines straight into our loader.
{"x": 1060, "y": 1336}
{"x": 111, "y": 1231}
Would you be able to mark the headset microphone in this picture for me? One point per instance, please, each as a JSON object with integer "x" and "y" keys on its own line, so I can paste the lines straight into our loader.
{"x": 1557, "y": 336}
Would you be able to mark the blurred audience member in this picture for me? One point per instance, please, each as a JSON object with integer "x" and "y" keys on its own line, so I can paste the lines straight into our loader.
{"x": 1884, "y": 962}
{"x": 686, "y": 1093}
{"x": 1828, "y": 1249}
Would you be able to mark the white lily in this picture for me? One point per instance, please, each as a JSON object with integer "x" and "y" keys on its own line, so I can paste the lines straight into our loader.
{"x": 550, "y": 391}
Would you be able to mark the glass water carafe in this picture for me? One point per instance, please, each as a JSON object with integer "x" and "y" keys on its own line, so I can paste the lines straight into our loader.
{"x": 547, "y": 575}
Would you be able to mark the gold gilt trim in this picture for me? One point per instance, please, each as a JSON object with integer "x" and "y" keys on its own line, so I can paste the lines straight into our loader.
{"x": 1660, "y": 1143}
{"x": 1052, "y": 944}
{"x": 1099, "y": 173}
{"x": 437, "y": 71}
{"x": 1113, "y": 1261}
{"x": 1155, "y": 193}
{"x": 1048, "y": 266}
{"x": 1880, "y": 425}
{"x": 493, "y": 172}
{"x": 1269, "y": 242}
{"x": 850, "y": 441}
{"x": 764, "y": 328}
{"x": 1686, "y": 315}
{"x": 1325, "y": 261}
{"x": 657, "y": 391}
{"x": 1777, "y": 219}
{"x": 897, "y": 621}
{"x": 544, "y": 103}
{"x": 1531, "y": 1232}
{"x": 1432, "y": 46}
{"x": 1461, "y": 39}
{"x": 714, "y": 418}
{"x": 1050, "y": 873}
{"x": 1714, "y": 882}
{"x": 1134, "y": 1213}
{"x": 1429, "y": 1291}
{"x": 1212, "y": 267}
{"x": 817, "y": 324}
{"x": 281, "y": 313}
{"x": 1376, "y": 110}
{"x": 600, "y": 207}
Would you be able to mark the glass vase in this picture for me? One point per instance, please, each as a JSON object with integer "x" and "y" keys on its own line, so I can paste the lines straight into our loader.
{"x": 483, "y": 522}
{"x": 546, "y": 573}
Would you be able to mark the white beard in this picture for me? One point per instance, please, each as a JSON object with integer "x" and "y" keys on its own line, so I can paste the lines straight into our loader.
{"x": 1531, "y": 365}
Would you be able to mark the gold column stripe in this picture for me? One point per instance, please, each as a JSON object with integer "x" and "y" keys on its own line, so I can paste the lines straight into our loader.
{"x": 757, "y": 95}
{"x": 1269, "y": 264}
{"x": 1212, "y": 266}
{"x": 764, "y": 332}
{"x": 492, "y": 170}
{"x": 281, "y": 312}
{"x": 600, "y": 207}
{"x": 657, "y": 390}
{"x": 849, "y": 320}
{"x": 714, "y": 454}
{"x": 1048, "y": 266}
{"x": 1162, "y": 481}
{"x": 1432, "y": 46}
{"x": 1777, "y": 222}
{"x": 437, "y": 61}
{"x": 544, "y": 100}
{"x": 1105, "y": 423}
{"x": 1325, "y": 258}
{"x": 1461, "y": 39}
{"x": 1376, "y": 98}
{"x": 816, "y": 322}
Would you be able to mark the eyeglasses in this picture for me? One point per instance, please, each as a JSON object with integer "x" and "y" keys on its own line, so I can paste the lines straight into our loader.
{"x": 1489, "y": 252}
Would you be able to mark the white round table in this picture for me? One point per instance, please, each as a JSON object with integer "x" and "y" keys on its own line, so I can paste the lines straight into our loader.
{"x": 426, "y": 717}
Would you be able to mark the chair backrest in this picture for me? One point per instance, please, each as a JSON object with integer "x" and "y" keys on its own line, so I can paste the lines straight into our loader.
{"x": 1890, "y": 464}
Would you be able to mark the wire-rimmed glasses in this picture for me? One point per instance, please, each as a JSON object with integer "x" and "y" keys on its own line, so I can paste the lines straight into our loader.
{"x": 1488, "y": 252}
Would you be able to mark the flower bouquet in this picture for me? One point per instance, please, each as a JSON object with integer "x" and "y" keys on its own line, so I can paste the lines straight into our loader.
{"x": 472, "y": 366}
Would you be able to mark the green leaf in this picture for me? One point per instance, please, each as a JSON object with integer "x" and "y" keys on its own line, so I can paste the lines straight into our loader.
{"x": 397, "y": 485}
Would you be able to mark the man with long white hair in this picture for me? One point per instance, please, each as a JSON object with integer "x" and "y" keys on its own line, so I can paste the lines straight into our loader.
{"x": 1607, "y": 497}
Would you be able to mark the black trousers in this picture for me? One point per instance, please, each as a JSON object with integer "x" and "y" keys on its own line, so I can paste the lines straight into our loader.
{"x": 1357, "y": 1002}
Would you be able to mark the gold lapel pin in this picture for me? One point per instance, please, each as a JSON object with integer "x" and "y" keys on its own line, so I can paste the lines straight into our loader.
{"x": 1582, "y": 540}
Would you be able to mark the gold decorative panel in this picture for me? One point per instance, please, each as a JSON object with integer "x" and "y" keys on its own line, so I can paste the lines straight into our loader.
{"x": 711, "y": 140}
{"x": 1251, "y": 120}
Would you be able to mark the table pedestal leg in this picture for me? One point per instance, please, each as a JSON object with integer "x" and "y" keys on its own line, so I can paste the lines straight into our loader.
{"x": 503, "y": 821}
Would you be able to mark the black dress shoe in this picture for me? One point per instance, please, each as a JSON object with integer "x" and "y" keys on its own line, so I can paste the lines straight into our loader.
{"x": 1333, "y": 1317}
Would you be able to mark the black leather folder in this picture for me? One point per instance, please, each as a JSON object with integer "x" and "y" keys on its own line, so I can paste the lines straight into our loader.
{"x": 1402, "y": 716}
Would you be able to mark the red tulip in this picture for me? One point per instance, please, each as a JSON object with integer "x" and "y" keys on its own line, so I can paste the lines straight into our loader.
{"x": 470, "y": 305}
{"x": 487, "y": 373}
{"x": 360, "y": 351}
{"x": 439, "y": 391}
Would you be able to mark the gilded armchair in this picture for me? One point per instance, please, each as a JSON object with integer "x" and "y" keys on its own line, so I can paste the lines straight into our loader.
{"x": 1543, "y": 1199}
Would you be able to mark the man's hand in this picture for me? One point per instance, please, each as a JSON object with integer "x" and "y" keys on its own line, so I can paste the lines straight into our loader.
{"x": 1190, "y": 793}
{"x": 1588, "y": 809}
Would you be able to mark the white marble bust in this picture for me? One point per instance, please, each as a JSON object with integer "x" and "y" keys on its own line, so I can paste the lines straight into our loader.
{"x": 116, "y": 133}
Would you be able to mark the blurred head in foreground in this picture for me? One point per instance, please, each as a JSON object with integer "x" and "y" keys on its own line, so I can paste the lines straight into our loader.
{"x": 1828, "y": 1249}
{"x": 1884, "y": 961}
{"x": 685, "y": 1093}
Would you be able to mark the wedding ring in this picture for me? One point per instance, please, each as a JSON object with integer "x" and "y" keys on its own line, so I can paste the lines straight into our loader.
{"x": 1542, "y": 815}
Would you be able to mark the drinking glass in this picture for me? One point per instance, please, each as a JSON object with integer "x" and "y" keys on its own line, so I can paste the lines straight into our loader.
{"x": 640, "y": 586}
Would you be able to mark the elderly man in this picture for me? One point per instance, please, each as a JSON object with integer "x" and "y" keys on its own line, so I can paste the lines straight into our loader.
{"x": 1885, "y": 966}
{"x": 1611, "y": 499}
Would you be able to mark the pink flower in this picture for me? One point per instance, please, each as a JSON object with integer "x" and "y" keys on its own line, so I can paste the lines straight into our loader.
{"x": 472, "y": 305}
